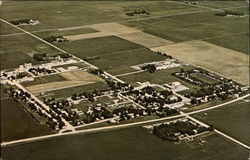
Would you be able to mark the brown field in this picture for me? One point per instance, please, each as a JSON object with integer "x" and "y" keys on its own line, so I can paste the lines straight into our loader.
{"x": 145, "y": 39}
{"x": 226, "y": 62}
{"x": 80, "y": 75}
{"x": 113, "y": 28}
{"x": 105, "y": 29}
{"x": 86, "y": 36}
{"x": 74, "y": 78}
{"x": 124, "y": 32}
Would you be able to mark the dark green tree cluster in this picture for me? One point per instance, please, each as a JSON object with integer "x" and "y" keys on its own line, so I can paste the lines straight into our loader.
{"x": 151, "y": 68}
{"x": 40, "y": 57}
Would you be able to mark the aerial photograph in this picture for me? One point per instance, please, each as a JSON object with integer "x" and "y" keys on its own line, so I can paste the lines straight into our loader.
{"x": 124, "y": 80}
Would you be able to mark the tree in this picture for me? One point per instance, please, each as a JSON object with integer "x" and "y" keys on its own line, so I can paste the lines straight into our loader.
{"x": 193, "y": 101}
{"x": 150, "y": 67}
{"x": 39, "y": 57}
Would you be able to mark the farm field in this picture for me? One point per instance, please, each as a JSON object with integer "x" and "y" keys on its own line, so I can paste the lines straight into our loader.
{"x": 9, "y": 60}
{"x": 23, "y": 47}
{"x": 25, "y": 44}
{"x": 18, "y": 124}
{"x": 72, "y": 78}
{"x": 133, "y": 140}
{"x": 221, "y": 4}
{"x": 93, "y": 12}
{"x": 97, "y": 46}
{"x": 184, "y": 27}
{"x": 231, "y": 119}
{"x": 7, "y": 29}
{"x": 64, "y": 32}
{"x": 145, "y": 39}
{"x": 120, "y": 62}
{"x": 228, "y": 63}
{"x": 235, "y": 41}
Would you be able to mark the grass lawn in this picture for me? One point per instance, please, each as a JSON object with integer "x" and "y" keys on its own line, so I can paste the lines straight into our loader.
{"x": 123, "y": 144}
{"x": 204, "y": 78}
{"x": 17, "y": 123}
{"x": 65, "y": 93}
{"x": 97, "y": 46}
{"x": 165, "y": 77}
{"x": 231, "y": 119}
{"x": 120, "y": 62}
{"x": 44, "y": 79}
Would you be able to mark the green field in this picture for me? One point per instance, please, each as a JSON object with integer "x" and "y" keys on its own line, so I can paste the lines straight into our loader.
{"x": 165, "y": 77}
{"x": 25, "y": 44}
{"x": 222, "y": 3}
{"x": 7, "y": 29}
{"x": 44, "y": 34}
{"x": 19, "y": 49}
{"x": 55, "y": 14}
{"x": 184, "y": 27}
{"x": 97, "y": 46}
{"x": 45, "y": 79}
{"x": 231, "y": 119}
{"x": 17, "y": 123}
{"x": 10, "y": 60}
{"x": 120, "y": 62}
{"x": 203, "y": 78}
{"x": 130, "y": 143}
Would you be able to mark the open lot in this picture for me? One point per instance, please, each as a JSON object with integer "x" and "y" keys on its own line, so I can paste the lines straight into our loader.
{"x": 17, "y": 123}
{"x": 228, "y": 63}
{"x": 123, "y": 144}
{"x": 44, "y": 79}
{"x": 72, "y": 78}
{"x": 231, "y": 119}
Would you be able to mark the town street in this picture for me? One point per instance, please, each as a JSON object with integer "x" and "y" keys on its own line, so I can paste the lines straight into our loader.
{"x": 135, "y": 124}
